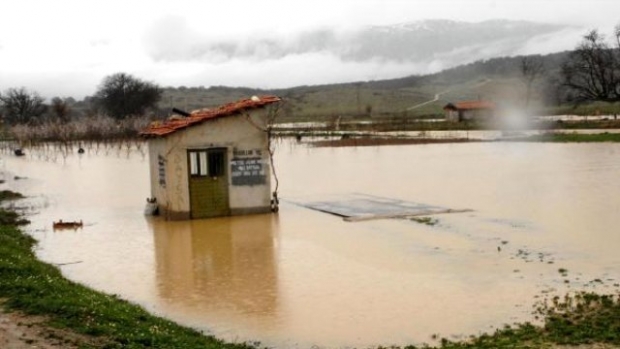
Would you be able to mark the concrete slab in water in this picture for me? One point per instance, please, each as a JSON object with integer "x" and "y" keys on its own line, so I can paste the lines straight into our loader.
{"x": 358, "y": 207}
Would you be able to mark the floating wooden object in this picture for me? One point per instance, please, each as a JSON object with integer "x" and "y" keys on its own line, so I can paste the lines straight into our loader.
{"x": 67, "y": 225}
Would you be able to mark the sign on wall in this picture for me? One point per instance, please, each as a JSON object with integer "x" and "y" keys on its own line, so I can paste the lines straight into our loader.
{"x": 247, "y": 170}
{"x": 161, "y": 170}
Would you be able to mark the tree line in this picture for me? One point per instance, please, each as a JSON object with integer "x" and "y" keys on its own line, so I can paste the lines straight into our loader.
{"x": 119, "y": 96}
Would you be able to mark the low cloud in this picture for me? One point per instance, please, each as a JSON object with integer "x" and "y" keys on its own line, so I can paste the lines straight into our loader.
{"x": 173, "y": 53}
{"x": 289, "y": 71}
{"x": 173, "y": 40}
{"x": 562, "y": 40}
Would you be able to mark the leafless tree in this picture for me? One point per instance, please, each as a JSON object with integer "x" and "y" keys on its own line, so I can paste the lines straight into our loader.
{"x": 61, "y": 109}
{"x": 21, "y": 106}
{"x": 532, "y": 68}
{"x": 592, "y": 70}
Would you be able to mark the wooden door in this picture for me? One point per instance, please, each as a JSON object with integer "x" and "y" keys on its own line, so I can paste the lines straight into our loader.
{"x": 208, "y": 183}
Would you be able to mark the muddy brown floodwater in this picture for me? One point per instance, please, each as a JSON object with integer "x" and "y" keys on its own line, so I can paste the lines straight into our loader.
{"x": 303, "y": 278}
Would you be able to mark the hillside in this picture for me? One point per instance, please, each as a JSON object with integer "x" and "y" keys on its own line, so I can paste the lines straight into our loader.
{"x": 463, "y": 54}
{"x": 497, "y": 79}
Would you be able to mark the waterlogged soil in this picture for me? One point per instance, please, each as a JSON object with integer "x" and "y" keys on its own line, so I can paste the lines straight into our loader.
{"x": 543, "y": 223}
{"x": 20, "y": 331}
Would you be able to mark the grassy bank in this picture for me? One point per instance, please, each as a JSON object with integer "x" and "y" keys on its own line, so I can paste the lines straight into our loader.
{"x": 37, "y": 288}
{"x": 34, "y": 287}
{"x": 581, "y": 319}
{"x": 572, "y": 138}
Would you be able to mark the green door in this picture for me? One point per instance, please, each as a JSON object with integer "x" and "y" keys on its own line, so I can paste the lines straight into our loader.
{"x": 208, "y": 183}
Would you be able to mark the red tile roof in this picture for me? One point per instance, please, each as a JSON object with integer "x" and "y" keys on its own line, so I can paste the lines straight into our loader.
{"x": 172, "y": 125}
{"x": 470, "y": 105}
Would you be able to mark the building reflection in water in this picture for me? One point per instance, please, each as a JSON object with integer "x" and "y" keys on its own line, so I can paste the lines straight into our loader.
{"x": 218, "y": 272}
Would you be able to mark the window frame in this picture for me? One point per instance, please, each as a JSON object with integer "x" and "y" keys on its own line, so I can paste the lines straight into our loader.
{"x": 196, "y": 167}
{"x": 207, "y": 162}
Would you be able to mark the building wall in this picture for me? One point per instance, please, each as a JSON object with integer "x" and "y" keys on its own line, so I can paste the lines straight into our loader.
{"x": 469, "y": 114}
{"x": 477, "y": 114}
{"x": 247, "y": 147}
{"x": 157, "y": 146}
{"x": 452, "y": 115}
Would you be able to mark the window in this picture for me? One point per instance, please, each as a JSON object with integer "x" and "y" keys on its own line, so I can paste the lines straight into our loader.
{"x": 216, "y": 163}
{"x": 207, "y": 162}
{"x": 198, "y": 163}
{"x": 202, "y": 163}
{"x": 161, "y": 166}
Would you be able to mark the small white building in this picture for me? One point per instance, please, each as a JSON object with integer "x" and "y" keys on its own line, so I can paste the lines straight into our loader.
{"x": 213, "y": 162}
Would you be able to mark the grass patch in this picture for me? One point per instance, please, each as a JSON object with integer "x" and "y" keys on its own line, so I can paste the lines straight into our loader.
{"x": 572, "y": 138}
{"x": 425, "y": 220}
{"x": 592, "y": 108}
{"x": 10, "y": 217}
{"x": 9, "y": 195}
{"x": 583, "y": 318}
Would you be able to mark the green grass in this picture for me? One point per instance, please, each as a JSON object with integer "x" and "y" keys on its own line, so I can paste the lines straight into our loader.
{"x": 34, "y": 287}
{"x": 9, "y": 195}
{"x": 574, "y": 138}
{"x": 581, "y": 318}
{"x": 592, "y": 108}
{"x": 10, "y": 217}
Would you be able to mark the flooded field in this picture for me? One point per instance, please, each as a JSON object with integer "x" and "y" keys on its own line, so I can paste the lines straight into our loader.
{"x": 544, "y": 221}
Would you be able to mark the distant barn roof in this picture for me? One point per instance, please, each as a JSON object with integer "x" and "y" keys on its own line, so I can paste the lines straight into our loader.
{"x": 197, "y": 117}
{"x": 470, "y": 105}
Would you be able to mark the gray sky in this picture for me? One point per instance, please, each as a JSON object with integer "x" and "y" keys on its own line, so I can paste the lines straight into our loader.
{"x": 65, "y": 47}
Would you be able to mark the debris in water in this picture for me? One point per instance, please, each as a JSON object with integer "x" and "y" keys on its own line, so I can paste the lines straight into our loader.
{"x": 151, "y": 209}
{"x": 360, "y": 207}
{"x": 67, "y": 225}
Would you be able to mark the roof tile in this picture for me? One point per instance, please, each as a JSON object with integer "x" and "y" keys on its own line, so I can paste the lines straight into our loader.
{"x": 172, "y": 125}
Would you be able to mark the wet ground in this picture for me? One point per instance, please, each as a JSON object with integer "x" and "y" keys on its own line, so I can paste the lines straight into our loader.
{"x": 543, "y": 221}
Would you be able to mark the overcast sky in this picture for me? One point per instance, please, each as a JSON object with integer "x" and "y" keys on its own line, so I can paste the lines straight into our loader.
{"x": 65, "y": 47}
